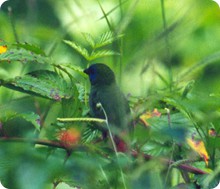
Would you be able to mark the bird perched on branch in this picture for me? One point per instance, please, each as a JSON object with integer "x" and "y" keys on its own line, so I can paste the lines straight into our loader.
{"x": 114, "y": 106}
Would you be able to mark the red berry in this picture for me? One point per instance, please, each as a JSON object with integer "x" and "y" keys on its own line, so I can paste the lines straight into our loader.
{"x": 69, "y": 138}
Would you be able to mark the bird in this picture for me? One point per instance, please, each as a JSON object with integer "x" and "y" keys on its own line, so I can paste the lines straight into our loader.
{"x": 115, "y": 107}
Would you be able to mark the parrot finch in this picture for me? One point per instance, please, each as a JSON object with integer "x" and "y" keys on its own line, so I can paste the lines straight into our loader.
{"x": 115, "y": 108}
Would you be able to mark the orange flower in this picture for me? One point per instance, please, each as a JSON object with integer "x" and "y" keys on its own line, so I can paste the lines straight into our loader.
{"x": 3, "y": 49}
{"x": 69, "y": 138}
{"x": 147, "y": 115}
{"x": 199, "y": 147}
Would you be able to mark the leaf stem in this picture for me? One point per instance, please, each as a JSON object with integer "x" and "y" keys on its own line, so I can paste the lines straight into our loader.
{"x": 113, "y": 143}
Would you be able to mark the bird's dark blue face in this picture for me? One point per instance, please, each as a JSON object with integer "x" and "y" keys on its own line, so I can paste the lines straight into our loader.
{"x": 100, "y": 74}
{"x": 92, "y": 73}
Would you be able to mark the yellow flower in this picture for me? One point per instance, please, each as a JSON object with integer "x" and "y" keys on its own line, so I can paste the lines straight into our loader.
{"x": 3, "y": 49}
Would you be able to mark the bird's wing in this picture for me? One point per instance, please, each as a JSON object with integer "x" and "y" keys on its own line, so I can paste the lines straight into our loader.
{"x": 115, "y": 105}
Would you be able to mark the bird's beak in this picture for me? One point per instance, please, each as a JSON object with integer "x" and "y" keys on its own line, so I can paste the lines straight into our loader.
{"x": 86, "y": 71}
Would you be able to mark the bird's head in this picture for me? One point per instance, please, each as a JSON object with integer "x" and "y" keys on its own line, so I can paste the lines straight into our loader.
{"x": 100, "y": 74}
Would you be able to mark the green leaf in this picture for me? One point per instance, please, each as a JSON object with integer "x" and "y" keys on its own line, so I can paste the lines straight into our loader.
{"x": 28, "y": 116}
{"x": 113, "y": 9}
{"x": 175, "y": 132}
{"x": 89, "y": 38}
{"x": 89, "y": 134}
{"x": 7, "y": 115}
{"x": 82, "y": 92}
{"x": 188, "y": 88}
{"x": 106, "y": 39}
{"x": 42, "y": 83}
{"x": 75, "y": 68}
{"x": 31, "y": 48}
{"x": 31, "y": 117}
{"x": 81, "y": 50}
{"x": 23, "y": 56}
{"x": 196, "y": 67}
{"x": 102, "y": 53}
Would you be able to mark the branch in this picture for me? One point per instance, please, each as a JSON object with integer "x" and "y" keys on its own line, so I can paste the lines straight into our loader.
{"x": 134, "y": 153}
{"x": 183, "y": 167}
{"x": 50, "y": 143}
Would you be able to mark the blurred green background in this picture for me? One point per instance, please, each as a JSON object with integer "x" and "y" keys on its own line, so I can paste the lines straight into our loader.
{"x": 188, "y": 34}
{"x": 169, "y": 50}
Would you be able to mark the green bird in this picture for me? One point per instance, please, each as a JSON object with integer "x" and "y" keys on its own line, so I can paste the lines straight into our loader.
{"x": 114, "y": 106}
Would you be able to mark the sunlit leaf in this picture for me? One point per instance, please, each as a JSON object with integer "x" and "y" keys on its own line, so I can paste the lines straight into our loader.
{"x": 106, "y": 39}
{"x": 73, "y": 67}
{"x": 41, "y": 83}
{"x": 81, "y": 50}
{"x": 102, "y": 53}
{"x": 31, "y": 48}
{"x": 23, "y": 56}
{"x": 89, "y": 38}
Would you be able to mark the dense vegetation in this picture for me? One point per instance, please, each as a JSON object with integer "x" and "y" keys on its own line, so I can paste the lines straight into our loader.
{"x": 166, "y": 57}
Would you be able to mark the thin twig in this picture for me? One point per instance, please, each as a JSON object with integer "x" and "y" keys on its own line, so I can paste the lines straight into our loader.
{"x": 113, "y": 143}
{"x": 13, "y": 24}
{"x": 50, "y": 143}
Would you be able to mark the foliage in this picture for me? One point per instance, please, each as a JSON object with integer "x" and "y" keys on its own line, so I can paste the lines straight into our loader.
{"x": 105, "y": 39}
{"x": 47, "y": 137}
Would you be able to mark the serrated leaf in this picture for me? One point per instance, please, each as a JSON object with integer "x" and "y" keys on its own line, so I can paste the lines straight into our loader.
{"x": 23, "y": 56}
{"x": 7, "y": 115}
{"x": 82, "y": 92}
{"x": 42, "y": 83}
{"x": 106, "y": 39}
{"x": 81, "y": 50}
{"x": 102, "y": 53}
{"x": 31, "y": 47}
{"x": 90, "y": 40}
{"x": 31, "y": 117}
{"x": 75, "y": 68}
{"x": 89, "y": 134}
